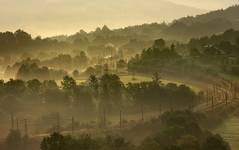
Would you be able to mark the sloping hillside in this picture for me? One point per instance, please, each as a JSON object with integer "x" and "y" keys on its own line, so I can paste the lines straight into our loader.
{"x": 203, "y": 25}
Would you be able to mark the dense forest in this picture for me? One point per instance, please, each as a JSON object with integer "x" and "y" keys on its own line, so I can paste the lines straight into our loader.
{"x": 214, "y": 55}
{"x": 108, "y": 90}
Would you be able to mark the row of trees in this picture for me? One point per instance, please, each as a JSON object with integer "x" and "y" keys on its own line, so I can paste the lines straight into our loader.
{"x": 34, "y": 68}
{"x": 20, "y": 42}
{"x": 33, "y": 71}
{"x": 68, "y": 62}
{"x": 216, "y": 54}
{"x": 107, "y": 92}
{"x": 153, "y": 94}
{"x": 158, "y": 56}
{"x": 101, "y": 42}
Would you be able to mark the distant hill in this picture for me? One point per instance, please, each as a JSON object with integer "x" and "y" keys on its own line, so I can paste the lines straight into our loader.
{"x": 230, "y": 14}
{"x": 67, "y": 16}
{"x": 203, "y": 25}
{"x": 182, "y": 29}
{"x": 129, "y": 39}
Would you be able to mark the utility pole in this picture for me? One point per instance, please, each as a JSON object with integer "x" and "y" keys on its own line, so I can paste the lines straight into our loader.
{"x": 12, "y": 122}
{"x": 26, "y": 127}
{"x": 120, "y": 119}
{"x": 207, "y": 96}
{"x": 58, "y": 123}
{"x": 226, "y": 98}
{"x": 160, "y": 110}
{"x": 235, "y": 91}
{"x": 72, "y": 126}
{"x": 214, "y": 91}
{"x": 231, "y": 84}
{"x": 212, "y": 102}
{"x": 17, "y": 124}
{"x": 104, "y": 118}
{"x": 142, "y": 113}
{"x": 217, "y": 91}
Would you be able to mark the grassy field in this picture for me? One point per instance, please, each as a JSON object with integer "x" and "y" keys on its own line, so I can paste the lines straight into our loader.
{"x": 140, "y": 78}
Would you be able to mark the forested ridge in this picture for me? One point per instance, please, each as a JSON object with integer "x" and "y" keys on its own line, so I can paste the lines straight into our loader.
{"x": 180, "y": 30}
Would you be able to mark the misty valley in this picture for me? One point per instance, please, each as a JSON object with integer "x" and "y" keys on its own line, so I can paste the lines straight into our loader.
{"x": 156, "y": 86}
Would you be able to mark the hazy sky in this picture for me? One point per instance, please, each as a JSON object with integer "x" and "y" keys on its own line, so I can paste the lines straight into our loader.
{"x": 54, "y": 17}
{"x": 207, "y": 4}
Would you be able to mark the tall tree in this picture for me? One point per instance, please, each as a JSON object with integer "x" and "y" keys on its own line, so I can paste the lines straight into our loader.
{"x": 68, "y": 83}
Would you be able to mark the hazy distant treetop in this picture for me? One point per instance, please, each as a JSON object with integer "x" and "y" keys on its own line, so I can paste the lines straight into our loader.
{"x": 76, "y": 73}
{"x": 68, "y": 83}
{"x": 19, "y": 42}
{"x": 231, "y": 13}
{"x": 49, "y": 84}
{"x": 105, "y": 29}
{"x": 159, "y": 44}
{"x": 82, "y": 32}
{"x": 230, "y": 36}
{"x": 34, "y": 85}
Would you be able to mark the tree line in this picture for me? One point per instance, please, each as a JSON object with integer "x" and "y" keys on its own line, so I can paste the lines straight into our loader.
{"x": 97, "y": 94}
{"x": 213, "y": 55}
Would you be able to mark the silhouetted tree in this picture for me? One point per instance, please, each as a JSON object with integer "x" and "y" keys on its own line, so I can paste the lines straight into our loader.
{"x": 54, "y": 142}
{"x": 34, "y": 86}
{"x": 68, "y": 83}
